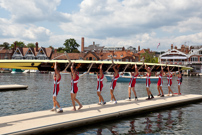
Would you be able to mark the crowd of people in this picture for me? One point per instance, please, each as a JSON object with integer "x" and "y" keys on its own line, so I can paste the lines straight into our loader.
{"x": 100, "y": 76}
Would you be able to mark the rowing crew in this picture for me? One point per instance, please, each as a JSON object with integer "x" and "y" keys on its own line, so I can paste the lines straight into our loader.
{"x": 100, "y": 77}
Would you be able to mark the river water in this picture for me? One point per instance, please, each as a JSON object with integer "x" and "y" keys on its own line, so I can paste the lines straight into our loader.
{"x": 180, "y": 120}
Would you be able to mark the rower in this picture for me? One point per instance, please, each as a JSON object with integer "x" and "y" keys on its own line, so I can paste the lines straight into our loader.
{"x": 74, "y": 88}
{"x": 179, "y": 79}
{"x": 148, "y": 82}
{"x": 132, "y": 84}
{"x": 169, "y": 77}
{"x": 160, "y": 83}
{"x": 100, "y": 77}
{"x": 113, "y": 84}
{"x": 57, "y": 78}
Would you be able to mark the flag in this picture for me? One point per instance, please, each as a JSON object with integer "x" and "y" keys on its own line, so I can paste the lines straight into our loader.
{"x": 158, "y": 45}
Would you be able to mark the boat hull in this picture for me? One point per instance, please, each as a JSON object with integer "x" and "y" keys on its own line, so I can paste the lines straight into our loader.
{"x": 127, "y": 79}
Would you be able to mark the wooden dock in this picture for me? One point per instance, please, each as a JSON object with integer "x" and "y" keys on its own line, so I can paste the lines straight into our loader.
{"x": 12, "y": 87}
{"x": 46, "y": 121}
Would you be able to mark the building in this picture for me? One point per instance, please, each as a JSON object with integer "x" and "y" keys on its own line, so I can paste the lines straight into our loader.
{"x": 195, "y": 59}
{"x": 32, "y": 53}
{"x": 5, "y": 53}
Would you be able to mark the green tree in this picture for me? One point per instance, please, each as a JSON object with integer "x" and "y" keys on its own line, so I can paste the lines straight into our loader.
{"x": 6, "y": 45}
{"x": 51, "y": 47}
{"x": 71, "y": 46}
{"x": 60, "y": 49}
{"x": 31, "y": 45}
{"x": 18, "y": 44}
{"x": 149, "y": 57}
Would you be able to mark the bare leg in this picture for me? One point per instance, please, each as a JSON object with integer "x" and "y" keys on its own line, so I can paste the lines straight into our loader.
{"x": 73, "y": 102}
{"x": 179, "y": 90}
{"x": 100, "y": 96}
{"x": 112, "y": 95}
{"x": 158, "y": 88}
{"x": 170, "y": 90}
{"x": 161, "y": 90}
{"x": 133, "y": 89}
{"x": 147, "y": 91}
{"x": 55, "y": 102}
{"x": 129, "y": 91}
{"x": 75, "y": 99}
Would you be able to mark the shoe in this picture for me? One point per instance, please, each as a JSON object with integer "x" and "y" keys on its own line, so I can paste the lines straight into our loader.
{"x": 110, "y": 101}
{"x": 53, "y": 110}
{"x": 162, "y": 96}
{"x": 103, "y": 103}
{"x": 99, "y": 103}
{"x": 60, "y": 111}
{"x": 128, "y": 99}
{"x": 148, "y": 98}
{"x": 115, "y": 102}
{"x": 159, "y": 95}
{"x": 136, "y": 99}
{"x": 152, "y": 97}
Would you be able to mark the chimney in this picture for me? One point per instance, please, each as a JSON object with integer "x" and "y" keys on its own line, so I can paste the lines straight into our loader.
{"x": 171, "y": 46}
{"x": 182, "y": 48}
{"x": 138, "y": 48}
{"x": 82, "y": 44}
{"x": 176, "y": 47}
{"x": 37, "y": 47}
{"x": 14, "y": 46}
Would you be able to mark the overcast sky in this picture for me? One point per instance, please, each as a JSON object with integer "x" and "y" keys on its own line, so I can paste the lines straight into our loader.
{"x": 109, "y": 23}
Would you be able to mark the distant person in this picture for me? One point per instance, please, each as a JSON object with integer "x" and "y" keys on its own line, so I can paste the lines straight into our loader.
{"x": 132, "y": 84}
{"x": 169, "y": 78}
{"x": 113, "y": 84}
{"x": 100, "y": 77}
{"x": 179, "y": 79}
{"x": 160, "y": 83}
{"x": 148, "y": 82}
{"x": 57, "y": 78}
{"x": 74, "y": 89}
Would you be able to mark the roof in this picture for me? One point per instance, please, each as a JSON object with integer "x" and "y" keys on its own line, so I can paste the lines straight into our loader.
{"x": 72, "y": 56}
{"x": 6, "y": 51}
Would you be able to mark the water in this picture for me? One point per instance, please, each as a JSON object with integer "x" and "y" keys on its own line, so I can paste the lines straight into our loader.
{"x": 181, "y": 120}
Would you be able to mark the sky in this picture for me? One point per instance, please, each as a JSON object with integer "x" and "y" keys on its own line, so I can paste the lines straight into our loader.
{"x": 110, "y": 23}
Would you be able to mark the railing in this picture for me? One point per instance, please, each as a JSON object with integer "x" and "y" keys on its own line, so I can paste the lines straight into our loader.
{"x": 174, "y": 62}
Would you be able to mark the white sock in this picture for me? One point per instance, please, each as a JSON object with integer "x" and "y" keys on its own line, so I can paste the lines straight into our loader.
{"x": 60, "y": 108}
{"x": 54, "y": 107}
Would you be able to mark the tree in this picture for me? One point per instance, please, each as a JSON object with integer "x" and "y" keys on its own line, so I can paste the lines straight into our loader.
{"x": 51, "y": 47}
{"x": 149, "y": 57}
{"x": 31, "y": 45}
{"x": 71, "y": 46}
{"x": 60, "y": 49}
{"x": 18, "y": 44}
{"x": 6, "y": 45}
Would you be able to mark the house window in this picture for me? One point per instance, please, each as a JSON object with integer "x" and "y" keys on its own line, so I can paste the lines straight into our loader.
{"x": 200, "y": 58}
{"x": 194, "y": 58}
{"x": 126, "y": 60}
{"x": 114, "y": 55}
{"x": 87, "y": 58}
{"x": 93, "y": 58}
{"x": 121, "y": 55}
{"x": 200, "y": 52}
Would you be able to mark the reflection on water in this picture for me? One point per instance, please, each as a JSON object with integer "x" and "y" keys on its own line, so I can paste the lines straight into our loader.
{"x": 186, "y": 120}
{"x": 163, "y": 122}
